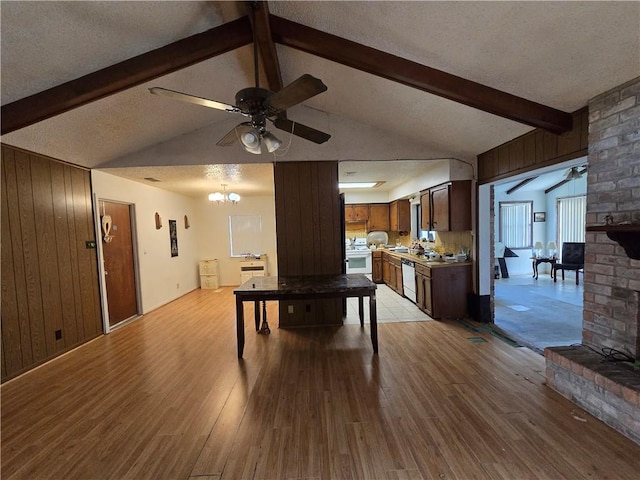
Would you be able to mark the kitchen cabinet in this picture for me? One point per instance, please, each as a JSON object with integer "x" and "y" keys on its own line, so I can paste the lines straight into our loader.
{"x": 447, "y": 207}
{"x": 392, "y": 272}
{"x": 386, "y": 270}
{"x": 376, "y": 268}
{"x": 400, "y": 216}
{"x": 423, "y": 289}
{"x": 425, "y": 210}
{"x": 441, "y": 292}
{"x": 378, "y": 217}
{"x": 356, "y": 213}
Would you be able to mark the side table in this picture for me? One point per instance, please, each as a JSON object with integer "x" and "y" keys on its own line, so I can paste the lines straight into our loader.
{"x": 538, "y": 260}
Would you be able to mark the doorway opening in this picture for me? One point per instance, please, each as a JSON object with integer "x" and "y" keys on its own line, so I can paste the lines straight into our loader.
{"x": 526, "y": 235}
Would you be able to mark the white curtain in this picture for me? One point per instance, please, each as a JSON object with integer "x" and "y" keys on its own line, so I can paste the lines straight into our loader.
{"x": 572, "y": 213}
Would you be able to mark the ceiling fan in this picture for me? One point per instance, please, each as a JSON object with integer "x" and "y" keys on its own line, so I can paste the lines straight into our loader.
{"x": 573, "y": 173}
{"x": 260, "y": 105}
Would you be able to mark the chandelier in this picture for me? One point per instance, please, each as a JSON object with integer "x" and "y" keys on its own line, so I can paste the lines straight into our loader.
{"x": 222, "y": 197}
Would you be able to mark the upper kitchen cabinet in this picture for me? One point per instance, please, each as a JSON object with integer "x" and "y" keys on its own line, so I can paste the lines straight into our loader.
{"x": 356, "y": 213}
{"x": 425, "y": 210}
{"x": 378, "y": 217}
{"x": 449, "y": 207}
{"x": 400, "y": 216}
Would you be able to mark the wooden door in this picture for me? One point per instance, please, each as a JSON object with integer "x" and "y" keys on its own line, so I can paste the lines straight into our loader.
{"x": 119, "y": 269}
{"x": 440, "y": 208}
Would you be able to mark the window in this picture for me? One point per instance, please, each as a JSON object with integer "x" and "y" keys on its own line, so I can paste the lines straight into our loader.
{"x": 571, "y": 219}
{"x": 516, "y": 228}
{"x": 245, "y": 232}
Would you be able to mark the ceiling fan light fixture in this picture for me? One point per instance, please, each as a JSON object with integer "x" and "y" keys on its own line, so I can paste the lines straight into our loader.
{"x": 573, "y": 174}
{"x": 250, "y": 138}
{"x": 271, "y": 141}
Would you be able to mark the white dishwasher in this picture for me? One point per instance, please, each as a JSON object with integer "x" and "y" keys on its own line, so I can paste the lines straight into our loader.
{"x": 409, "y": 279}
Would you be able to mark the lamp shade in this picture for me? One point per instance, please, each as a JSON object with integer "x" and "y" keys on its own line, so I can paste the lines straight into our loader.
{"x": 551, "y": 245}
{"x": 538, "y": 246}
{"x": 251, "y": 141}
{"x": 271, "y": 141}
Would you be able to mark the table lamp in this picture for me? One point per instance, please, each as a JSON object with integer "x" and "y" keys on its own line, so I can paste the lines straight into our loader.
{"x": 538, "y": 248}
{"x": 551, "y": 247}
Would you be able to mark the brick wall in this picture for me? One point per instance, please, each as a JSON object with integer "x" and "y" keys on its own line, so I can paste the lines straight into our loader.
{"x": 610, "y": 391}
{"x": 612, "y": 279}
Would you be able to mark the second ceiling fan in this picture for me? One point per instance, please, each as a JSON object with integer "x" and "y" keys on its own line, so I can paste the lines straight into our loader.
{"x": 261, "y": 105}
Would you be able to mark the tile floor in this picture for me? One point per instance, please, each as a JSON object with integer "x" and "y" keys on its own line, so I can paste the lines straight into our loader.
{"x": 533, "y": 313}
{"x": 539, "y": 313}
{"x": 391, "y": 307}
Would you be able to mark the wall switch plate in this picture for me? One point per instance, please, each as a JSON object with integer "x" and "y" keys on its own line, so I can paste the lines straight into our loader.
{"x": 290, "y": 309}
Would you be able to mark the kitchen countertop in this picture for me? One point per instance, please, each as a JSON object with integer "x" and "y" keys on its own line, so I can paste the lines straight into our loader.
{"x": 423, "y": 261}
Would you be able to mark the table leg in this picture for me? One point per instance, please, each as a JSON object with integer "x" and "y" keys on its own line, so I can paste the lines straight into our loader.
{"x": 536, "y": 268}
{"x": 373, "y": 321}
{"x": 533, "y": 267}
{"x": 240, "y": 325}
{"x": 256, "y": 308}
{"x": 361, "y": 310}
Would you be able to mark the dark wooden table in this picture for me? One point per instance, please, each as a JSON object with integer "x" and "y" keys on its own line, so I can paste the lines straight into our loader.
{"x": 295, "y": 288}
{"x": 538, "y": 260}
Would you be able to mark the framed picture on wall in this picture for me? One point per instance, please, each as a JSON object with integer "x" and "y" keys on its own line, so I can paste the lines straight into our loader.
{"x": 539, "y": 216}
{"x": 173, "y": 236}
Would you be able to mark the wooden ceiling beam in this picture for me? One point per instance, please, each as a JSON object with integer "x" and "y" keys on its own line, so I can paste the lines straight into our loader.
{"x": 259, "y": 15}
{"x": 126, "y": 74}
{"x": 418, "y": 76}
{"x": 562, "y": 182}
{"x": 520, "y": 185}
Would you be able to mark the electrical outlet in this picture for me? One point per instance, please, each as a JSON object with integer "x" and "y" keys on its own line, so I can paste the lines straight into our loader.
{"x": 290, "y": 309}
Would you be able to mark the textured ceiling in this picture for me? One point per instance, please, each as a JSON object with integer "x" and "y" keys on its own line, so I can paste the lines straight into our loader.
{"x": 556, "y": 53}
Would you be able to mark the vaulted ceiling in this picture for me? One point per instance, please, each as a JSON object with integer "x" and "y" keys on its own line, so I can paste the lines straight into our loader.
{"x": 406, "y": 80}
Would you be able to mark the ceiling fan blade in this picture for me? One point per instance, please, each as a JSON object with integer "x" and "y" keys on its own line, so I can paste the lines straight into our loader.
{"x": 302, "y": 131}
{"x": 183, "y": 97}
{"x": 296, "y": 92}
{"x": 233, "y": 136}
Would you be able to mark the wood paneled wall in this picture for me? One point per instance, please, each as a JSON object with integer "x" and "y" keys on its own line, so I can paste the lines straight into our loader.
{"x": 309, "y": 234}
{"x": 535, "y": 149}
{"x": 50, "y": 292}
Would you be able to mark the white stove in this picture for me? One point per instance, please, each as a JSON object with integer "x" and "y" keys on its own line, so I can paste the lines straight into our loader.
{"x": 358, "y": 256}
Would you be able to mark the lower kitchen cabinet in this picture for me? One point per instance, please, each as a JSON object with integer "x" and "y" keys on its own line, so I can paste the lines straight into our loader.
{"x": 376, "y": 268}
{"x": 392, "y": 272}
{"x": 442, "y": 291}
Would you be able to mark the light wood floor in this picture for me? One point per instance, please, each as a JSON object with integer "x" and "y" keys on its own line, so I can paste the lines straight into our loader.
{"x": 166, "y": 398}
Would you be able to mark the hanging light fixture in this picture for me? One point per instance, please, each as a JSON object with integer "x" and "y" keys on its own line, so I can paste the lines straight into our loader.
{"x": 250, "y": 135}
{"x": 223, "y": 197}
{"x": 251, "y": 141}
{"x": 573, "y": 174}
{"x": 271, "y": 141}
